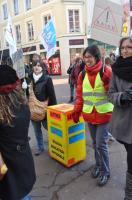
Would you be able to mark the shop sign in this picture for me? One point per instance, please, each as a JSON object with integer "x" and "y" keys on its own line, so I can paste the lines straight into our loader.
{"x": 56, "y": 69}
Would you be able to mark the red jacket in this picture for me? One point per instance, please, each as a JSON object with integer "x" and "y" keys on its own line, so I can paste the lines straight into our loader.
{"x": 91, "y": 72}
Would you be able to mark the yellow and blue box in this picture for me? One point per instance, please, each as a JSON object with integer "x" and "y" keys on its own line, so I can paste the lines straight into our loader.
{"x": 67, "y": 140}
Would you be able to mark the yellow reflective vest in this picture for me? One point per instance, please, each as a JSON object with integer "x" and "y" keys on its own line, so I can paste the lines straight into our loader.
{"x": 95, "y": 97}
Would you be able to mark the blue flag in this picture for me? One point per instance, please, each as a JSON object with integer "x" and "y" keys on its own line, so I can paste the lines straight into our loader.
{"x": 48, "y": 38}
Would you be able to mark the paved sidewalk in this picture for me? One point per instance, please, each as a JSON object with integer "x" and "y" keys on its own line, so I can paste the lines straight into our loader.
{"x": 60, "y": 81}
{"x": 56, "y": 182}
{"x": 52, "y": 176}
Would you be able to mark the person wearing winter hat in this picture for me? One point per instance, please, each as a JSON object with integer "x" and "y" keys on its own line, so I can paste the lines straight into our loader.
{"x": 120, "y": 94}
{"x": 14, "y": 142}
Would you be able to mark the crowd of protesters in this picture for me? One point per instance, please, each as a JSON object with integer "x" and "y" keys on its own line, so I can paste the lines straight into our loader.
{"x": 101, "y": 91}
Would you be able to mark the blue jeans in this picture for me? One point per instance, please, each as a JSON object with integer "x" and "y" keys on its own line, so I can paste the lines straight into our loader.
{"x": 99, "y": 135}
{"x": 27, "y": 198}
{"x": 38, "y": 132}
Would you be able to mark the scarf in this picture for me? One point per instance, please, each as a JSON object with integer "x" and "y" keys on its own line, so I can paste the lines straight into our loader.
{"x": 94, "y": 69}
{"x": 123, "y": 68}
{"x": 92, "y": 72}
{"x": 37, "y": 77}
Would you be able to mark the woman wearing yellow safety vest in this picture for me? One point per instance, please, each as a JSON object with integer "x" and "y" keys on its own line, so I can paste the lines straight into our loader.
{"x": 92, "y": 102}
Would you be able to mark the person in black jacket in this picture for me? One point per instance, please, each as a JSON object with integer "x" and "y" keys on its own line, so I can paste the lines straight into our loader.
{"x": 14, "y": 143}
{"x": 71, "y": 83}
{"x": 78, "y": 66}
{"x": 44, "y": 90}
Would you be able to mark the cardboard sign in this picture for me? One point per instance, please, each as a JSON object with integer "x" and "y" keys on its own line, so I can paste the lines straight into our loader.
{"x": 107, "y": 22}
{"x": 18, "y": 63}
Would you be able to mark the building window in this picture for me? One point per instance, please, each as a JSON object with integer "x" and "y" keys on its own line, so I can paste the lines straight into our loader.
{"x": 28, "y": 4}
{"x": 74, "y": 25}
{"x": 30, "y": 31}
{"x": 16, "y": 7}
{"x": 18, "y": 34}
{"x": 46, "y": 19}
{"x": 5, "y": 12}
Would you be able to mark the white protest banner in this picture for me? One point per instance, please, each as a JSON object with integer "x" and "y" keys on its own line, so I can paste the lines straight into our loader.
{"x": 107, "y": 21}
{"x": 10, "y": 37}
{"x": 48, "y": 38}
{"x": 18, "y": 63}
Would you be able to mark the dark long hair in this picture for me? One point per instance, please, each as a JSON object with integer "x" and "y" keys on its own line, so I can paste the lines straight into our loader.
{"x": 42, "y": 64}
{"x": 9, "y": 102}
{"x": 94, "y": 51}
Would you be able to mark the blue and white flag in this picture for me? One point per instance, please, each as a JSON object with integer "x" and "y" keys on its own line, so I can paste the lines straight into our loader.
{"x": 48, "y": 38}
{"x": 10, "y": 37}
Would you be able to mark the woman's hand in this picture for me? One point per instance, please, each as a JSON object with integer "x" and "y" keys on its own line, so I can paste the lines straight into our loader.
{"x": 126, "y": 97}
{"x": 24, "y": 85}
{"x": 76, "y": 116}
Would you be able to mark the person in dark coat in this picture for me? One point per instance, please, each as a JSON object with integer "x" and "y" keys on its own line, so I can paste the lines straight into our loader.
{"x": 71, "y": 82}
{"x": 44, "y": 90}
{"x": 74, "y": 69}
{"x": 120, "y": 94}
{"x": 14, "y": 143}
{"x": 25, "y": 80}
{"x": 78, "y": 67}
